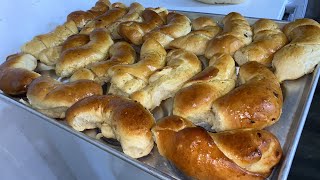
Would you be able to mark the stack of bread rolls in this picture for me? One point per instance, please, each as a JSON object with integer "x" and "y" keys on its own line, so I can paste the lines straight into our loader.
{"x": 114, "y": 65}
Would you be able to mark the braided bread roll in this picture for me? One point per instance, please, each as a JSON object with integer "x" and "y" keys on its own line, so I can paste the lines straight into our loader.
{"x": 106, "y": 19}
{"x": 204, "y": 29}
{"x": 75, "y": 58}
{"x": 119, "y": 118}
{"x": 177, "y": 25}
{"x": 256, "y": 103}
{"x": 134, "y": 31}
{"x": 120, "y": 53}
{"x": 127, "y": 79}
{"x": 81, "y": 18}
{"x": 17, "y": 72}
{"x": 53, "y": 98}
{"x": 267, "y": 39}
{"x": 163, "y": 84}
{"x": 195, "y": 99}
{"x": 237, "y": 154}
{"x": 54, "y": 38}
{"x": 236, "y": 34}
{"x": 302, "y": 54}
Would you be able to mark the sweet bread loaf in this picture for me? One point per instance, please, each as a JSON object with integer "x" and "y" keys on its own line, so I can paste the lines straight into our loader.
{"x": 117, "y": 117}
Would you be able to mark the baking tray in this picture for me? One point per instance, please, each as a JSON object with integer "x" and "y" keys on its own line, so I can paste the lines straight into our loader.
{"x": 297, "y": 99}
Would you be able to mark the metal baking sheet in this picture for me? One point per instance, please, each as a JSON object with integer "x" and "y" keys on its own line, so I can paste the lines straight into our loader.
{"x": 297, "y": 99}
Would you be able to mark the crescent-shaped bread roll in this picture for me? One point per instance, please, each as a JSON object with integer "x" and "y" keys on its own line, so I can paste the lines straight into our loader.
{"x": 53, "y": 98}
{"x": 302, "y": 54}
{"x": 236, "y": 154}
{"x": 120, "y": 53}
{"x": 236, "y": 34}
{"x": 119, "y": 118}
{"x": 127, "y": 79}
{"x": 195, "y": 99}
{"x": 81, "y": 18}
{"x": 106, "y": 19}
{"x": 204, "y": 29}
{"x": 177, "y": 25}
{"x": 256, "y": 103}
{"x": 75, "y": 58}
{"x": 267, "y": 39}
{"x": 134, "y": 31}
{"x": 163, "y": 84}
{"x": 17, "y": 72}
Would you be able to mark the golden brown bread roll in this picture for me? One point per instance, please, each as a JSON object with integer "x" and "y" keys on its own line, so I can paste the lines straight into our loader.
{"x": 256, "y": 103}
{"x": 106, "y": 19}
{"x": 17, "y": 72}
{"x": 119, "y": 118}
{"x": 177, "y": 25}
{"x": 134, "y": 31}
{"x": 163, "y": 84}
{"x": 133, "y": 15}
{"x": 302, "y": 54}
{"x": 237, "y": 154}
{"x": 75, "y": 58}
{"x": 204, "y": 29}
{"x": 195, "y": 99}
{"x": 267, "y": 39}
{"x": 51, "y": 39}
{"x": 236, "y": 34}
{"x": 53, "y": 98}
{"x": 81, "y": 18}
{"x": 120, "y": 53}
{"x": 127, "y": 79}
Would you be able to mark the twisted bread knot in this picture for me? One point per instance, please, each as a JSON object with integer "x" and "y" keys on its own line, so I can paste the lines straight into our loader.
{"x": 17, "y": 72}
{"x": 267, "y": 39}
{"x": 204, "y": 29}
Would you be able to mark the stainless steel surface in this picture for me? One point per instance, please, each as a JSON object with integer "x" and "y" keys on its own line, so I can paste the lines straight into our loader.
{"x": 297, "y": 97}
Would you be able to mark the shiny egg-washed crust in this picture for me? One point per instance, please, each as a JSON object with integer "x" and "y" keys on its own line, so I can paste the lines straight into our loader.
{"x": 120, "y": 118}
{"x": 237, "y": 154}
{"x": 127, "y": 79}
{"x": 236, "y": 34}
{"x": 267, "y": 39}
{"x": 181, "y": 65}
{"x": 177, "y": 25}
{"x": 195, "y": 99}
{"x": 78, "y": 57}
{"x": 17, "y": 72}
{"x": 120, "y": 53}
{"x": 81, "y": 18}
{"x": 53, "y": 98}
{"x": 105, "y": 20}
{"x": 134, "y": 31}
{"x": 256, "y": 103}
{"x": 203, "y": 30}
{"x": 302, "y": 54}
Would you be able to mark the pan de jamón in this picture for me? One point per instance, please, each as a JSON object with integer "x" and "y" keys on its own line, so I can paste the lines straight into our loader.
{"x": 16, "y": 73}
{"x": 134, "y": 31}
{"x": 104, "y": 20}
{"x": 177, "y": 25}
{"x": 256, "y": 103}
{"x": 120, "y": 53}
{"x": 267, "y": 39}
{"x": 236, "y": 154}
{"x": 236, "y": 34}
{"x": 222, "y": 1}
{"x": 53, "y": 98}
{"x": 195, "y": 99}
{"x": 119, "y": 118}
{"x": 78, "y": 57}
{"x": 163, "y": 84}
{"x": 204, "y": 29}
{"x": 302, "y": 54}
{"x": 127, "y": 79}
